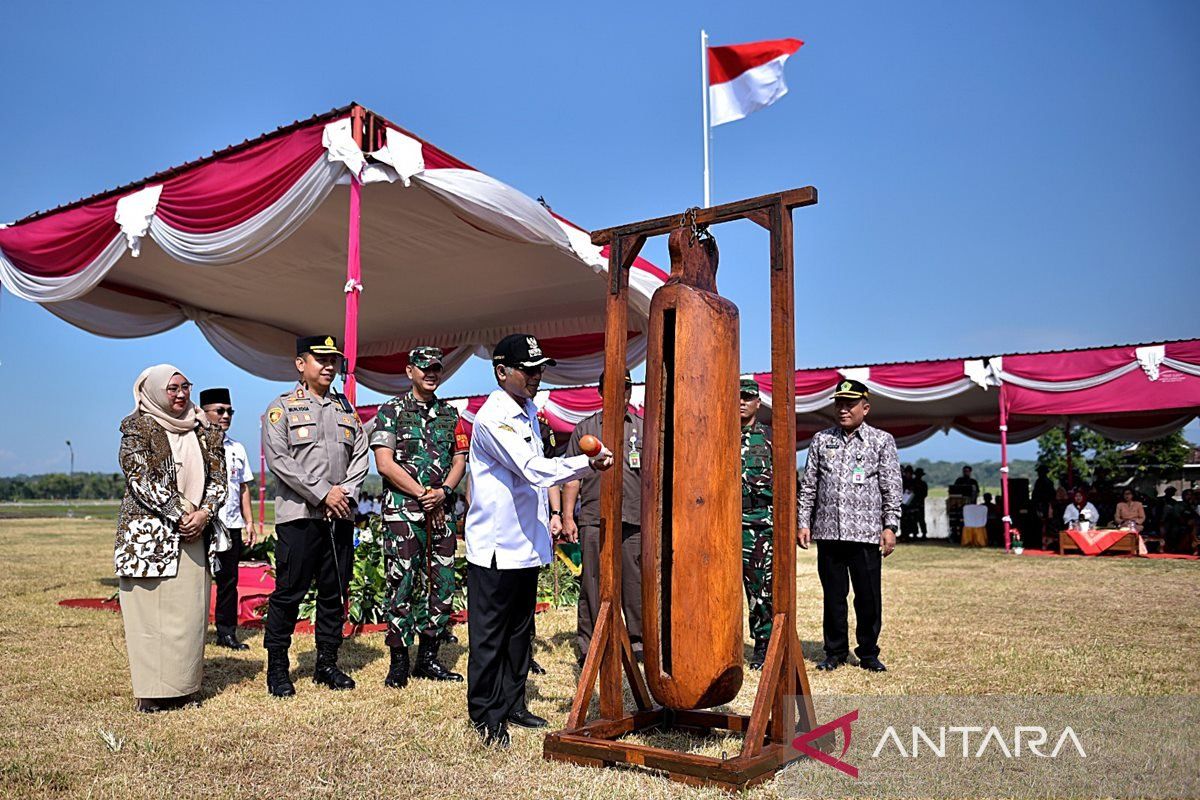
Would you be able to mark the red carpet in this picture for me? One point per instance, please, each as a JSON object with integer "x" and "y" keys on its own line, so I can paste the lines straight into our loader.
{"x": 255, "y": 584}
{"x": 1176, "y": 556}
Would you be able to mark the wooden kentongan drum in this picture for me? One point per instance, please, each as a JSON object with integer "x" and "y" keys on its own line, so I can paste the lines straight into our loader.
{"x": 691, "y": 487}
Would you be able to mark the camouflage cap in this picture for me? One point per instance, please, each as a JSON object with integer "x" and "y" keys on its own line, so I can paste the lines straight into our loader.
{"x": 425, "y": 357}
{"x": 749, "y": 387}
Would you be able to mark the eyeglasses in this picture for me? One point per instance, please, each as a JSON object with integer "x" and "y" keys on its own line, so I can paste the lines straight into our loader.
{"x": 222, "y": 411}
{"x": 538, "y": 370}
{"x": 182, "y": 388}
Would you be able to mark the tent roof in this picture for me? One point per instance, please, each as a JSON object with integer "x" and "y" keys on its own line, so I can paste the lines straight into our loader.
{"x": 251, "y": 244}
{"x": 1132, "y": 392}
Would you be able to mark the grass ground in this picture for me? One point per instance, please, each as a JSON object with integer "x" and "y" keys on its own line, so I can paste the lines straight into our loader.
{"x": 956, "y": 622}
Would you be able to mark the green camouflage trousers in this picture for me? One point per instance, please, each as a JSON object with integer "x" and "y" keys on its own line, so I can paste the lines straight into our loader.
{"x": 757, "y": 544}
{"x": 420, "y": 578}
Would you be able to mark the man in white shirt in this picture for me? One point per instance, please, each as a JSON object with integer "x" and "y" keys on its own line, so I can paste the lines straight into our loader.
{"x": 235, "y": 515}
{"x": 508, "y": 537}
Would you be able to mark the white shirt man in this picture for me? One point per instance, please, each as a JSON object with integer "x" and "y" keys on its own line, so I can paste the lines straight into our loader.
{"x": 235, "y": 515}
{"x": 508, "y": 537}
{"x": 508, "y": 523}
{"x": 237, "y": 465}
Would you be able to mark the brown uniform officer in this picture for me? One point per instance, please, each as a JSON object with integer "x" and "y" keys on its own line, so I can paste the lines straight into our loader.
{"x": 317, "y": 450}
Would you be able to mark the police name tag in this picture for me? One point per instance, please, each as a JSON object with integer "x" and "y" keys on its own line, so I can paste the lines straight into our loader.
{"x": 859, "y": 475}
{"x": 635, "y": 459}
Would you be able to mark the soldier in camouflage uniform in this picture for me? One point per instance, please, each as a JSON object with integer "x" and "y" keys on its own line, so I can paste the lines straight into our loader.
{"x": 420, "y": 450}
{"x": 757, "y": 533}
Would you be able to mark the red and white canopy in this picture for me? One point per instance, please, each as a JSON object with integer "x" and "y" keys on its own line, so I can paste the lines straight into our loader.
{"x": 1127, "y": 392}
{"x": 252, "y": 245}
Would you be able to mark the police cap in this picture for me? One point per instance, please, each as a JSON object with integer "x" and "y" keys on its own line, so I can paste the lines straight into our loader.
{"x": 320, "y": 345}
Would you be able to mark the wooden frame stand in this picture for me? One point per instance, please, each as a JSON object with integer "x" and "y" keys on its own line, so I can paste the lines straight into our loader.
{"x": 774, "y": 721}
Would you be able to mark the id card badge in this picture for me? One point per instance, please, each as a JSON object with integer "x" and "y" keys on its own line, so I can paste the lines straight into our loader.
{"x": 860, "y": 475}
{"x": 635, "y": 459}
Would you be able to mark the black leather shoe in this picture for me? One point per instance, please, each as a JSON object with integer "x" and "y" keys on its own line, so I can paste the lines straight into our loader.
{"x": 760, "y": 654}
{"x": 524, "y": 718}
{"x": 427, "y": 664}
{"x": 494, "y": 737}
{"x": 831, "y": 663}
{"x": 449, "y": 637}
{"x": 326, "y": 672}
{"x": 230, "y": 641}
{"x": 535, "y": 668}
{"x": 398, "y": 671}
{"x": 147, "y": 705}
{"x": 872, "y": 664}
{"x": 279, "y": 684}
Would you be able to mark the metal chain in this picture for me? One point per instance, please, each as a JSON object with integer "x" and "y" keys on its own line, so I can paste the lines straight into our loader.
{"x": 699, "y": 232}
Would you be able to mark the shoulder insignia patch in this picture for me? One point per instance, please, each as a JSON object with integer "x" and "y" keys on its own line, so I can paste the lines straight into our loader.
{"x": 274, "y": 415}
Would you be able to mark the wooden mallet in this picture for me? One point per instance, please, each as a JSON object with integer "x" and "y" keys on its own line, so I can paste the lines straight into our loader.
{"x": 590, "y": 445}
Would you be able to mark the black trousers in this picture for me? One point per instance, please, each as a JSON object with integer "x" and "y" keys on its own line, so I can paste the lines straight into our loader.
{"x": 500, "y": 605}
{"x": 841, "y": 565}
{"x": 226, "y": 613}
{"x": 306, "y": 549}
{"x": 589, "y": 584}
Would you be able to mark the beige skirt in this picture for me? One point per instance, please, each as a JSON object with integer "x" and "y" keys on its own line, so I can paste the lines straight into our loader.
{"x": 165, "y": 623}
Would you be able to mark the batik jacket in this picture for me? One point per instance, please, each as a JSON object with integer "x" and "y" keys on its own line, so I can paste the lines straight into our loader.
{"x": 147, "y": 544}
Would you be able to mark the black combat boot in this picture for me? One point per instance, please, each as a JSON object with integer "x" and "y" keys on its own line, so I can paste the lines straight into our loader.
{"x": 326, "y": 672}
{"x": 760, "y": 654}
{"x": 427, "y": 664}
{"x": 278, "y": 682}
{"x": 397, "y": 676}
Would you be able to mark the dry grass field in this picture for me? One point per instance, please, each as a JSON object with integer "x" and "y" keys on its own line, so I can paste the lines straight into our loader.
{"x": 955, "y": 623}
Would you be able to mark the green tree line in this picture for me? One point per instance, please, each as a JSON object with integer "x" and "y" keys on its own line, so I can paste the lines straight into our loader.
{"x": 99, "y": 486}
{"x": 944, "y": 473}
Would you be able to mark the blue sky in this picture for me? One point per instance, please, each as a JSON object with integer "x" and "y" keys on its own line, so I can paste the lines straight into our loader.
{"x": 993, "y": 177}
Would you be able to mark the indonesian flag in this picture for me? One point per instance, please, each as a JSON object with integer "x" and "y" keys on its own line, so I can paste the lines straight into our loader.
{"x": 742, "y": 78}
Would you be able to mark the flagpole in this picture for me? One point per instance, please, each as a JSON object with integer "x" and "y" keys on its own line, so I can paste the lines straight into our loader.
{"x": 704, "y": 107}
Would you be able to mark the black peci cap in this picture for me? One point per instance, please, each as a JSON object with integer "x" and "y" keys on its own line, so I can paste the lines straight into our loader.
{"x": 210, "y": 396}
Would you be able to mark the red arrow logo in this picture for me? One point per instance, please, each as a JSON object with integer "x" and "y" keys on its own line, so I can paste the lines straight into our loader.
{"x": 802, "y": 743}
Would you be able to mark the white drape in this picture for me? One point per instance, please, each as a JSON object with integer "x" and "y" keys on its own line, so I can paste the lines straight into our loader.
{"x": 71, "y": 287}
{"x": 258, "y": 234}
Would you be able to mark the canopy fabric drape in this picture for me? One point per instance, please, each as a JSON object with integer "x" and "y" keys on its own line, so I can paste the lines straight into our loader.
{"x": 1128, "y": 392}
{"x": 250, "y": 245}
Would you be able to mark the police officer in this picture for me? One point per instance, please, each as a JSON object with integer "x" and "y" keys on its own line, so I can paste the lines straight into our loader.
{"x": 317, "y": 451}
{"x": 757, "y": 531}
{"x": 421, "y": 454}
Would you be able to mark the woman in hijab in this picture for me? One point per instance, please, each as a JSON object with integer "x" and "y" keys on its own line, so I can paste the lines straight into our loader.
{"x": 1080, "y": 509}
{"x": 174, "y": 465}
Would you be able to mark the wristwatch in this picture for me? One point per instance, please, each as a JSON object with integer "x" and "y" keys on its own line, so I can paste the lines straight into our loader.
{"x": 554, "y": 513}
